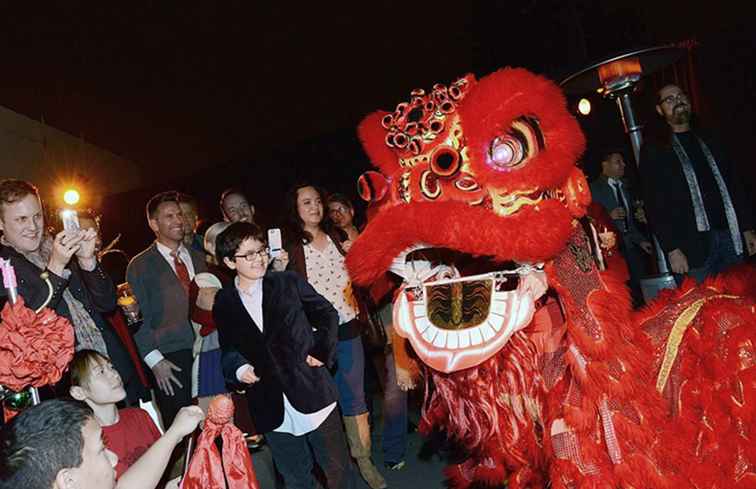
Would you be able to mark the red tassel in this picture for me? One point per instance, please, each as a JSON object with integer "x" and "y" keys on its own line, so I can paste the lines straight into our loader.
{"x": 206, "y": 471}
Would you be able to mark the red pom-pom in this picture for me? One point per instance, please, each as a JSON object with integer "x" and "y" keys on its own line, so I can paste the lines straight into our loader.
{"x": 221, "y": 410}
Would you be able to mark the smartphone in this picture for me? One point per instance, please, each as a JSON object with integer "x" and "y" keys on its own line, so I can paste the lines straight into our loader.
{"x": 70, "y": 219}
{"x": 274, "y": 242}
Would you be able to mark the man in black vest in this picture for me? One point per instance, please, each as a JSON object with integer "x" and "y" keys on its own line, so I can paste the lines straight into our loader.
{"x": 696, "y": 203}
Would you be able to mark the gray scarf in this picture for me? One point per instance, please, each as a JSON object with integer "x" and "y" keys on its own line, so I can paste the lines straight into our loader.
{"x": 88, "y": 335}
{"x": 702, "y": 219}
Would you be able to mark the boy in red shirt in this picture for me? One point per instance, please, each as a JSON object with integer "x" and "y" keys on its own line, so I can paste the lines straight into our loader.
{"x": 128, "y": 432}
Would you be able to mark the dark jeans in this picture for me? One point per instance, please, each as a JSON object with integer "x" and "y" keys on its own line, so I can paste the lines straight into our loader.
{"x": 636, "y": 266}
{"x": 350, "y": 376}
{"x": 721, "y": 257}
{"x": 293, "y": 455}
{"x": 394, "y": 416}
{"x": 182, "y": 396}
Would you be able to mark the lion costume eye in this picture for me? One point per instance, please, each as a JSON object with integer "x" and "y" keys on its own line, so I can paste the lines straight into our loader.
{"x": 513, "y": 149}
{"x": 372, "y": 186}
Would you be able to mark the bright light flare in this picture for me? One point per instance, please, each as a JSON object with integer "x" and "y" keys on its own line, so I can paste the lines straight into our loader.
{"x": 71, "y": 197}
{"x": 584, "y": 106}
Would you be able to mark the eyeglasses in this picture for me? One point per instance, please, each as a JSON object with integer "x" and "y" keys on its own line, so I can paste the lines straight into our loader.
{"x": 337, "y": 210}
{"x": 262, "y": 254}
{"x": 669, "y": 99}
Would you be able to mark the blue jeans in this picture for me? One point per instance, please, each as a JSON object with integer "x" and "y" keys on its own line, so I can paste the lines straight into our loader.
{"x": 394, "y": 416}
{"x": 350, "y": 376}
{"x": 722, "y": 256}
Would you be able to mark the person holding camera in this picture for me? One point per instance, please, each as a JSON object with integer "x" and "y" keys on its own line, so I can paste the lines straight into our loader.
{"x": 81, "y": 290}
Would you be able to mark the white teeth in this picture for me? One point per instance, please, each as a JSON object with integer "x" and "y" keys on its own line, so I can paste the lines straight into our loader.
{"x": 486, "y": 331}
{"x": 418, "y": 311}
{"x": 430, "y": 333}
{"x": 452, "y": 340}
{"x": 422, "y": 324}
{"x": 440, "y": 339}
{"x": 495, "y": 323}
{"x": 475, "y": 337}
{"x": 499, "y": 307}
{"x": 464, "y": 338}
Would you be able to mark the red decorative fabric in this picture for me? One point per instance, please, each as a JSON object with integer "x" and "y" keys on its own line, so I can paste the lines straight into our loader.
{"x": 34, "y": 348}
{"x": 118, "y": 322}
{"x": 206, "y": 471}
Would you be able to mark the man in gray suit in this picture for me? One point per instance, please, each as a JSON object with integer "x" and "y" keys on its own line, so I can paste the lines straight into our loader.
{"x": 160, "y": 277}
{"x": 613, "y": 192}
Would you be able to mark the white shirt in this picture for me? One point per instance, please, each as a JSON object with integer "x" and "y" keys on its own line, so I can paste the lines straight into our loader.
{"x": 619, "y": 193}
{"x": 328, "y": 275}
{"x": 295, "y": 423}
{"x": 154, "y": 357}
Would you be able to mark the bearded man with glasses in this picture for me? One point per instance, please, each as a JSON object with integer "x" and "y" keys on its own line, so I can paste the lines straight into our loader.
{"x": 695, "y": 200}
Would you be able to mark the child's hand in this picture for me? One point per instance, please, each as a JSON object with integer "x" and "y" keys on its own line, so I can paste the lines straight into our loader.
{"x": 186, "y": 421}
{"x": 404, "y": 379}
{"x": 206, "y": 298}
{"x": 247, "y": 375}
{"x": 313, "y": 362}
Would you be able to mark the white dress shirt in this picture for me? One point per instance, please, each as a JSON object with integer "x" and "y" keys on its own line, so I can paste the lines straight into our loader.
{"x": 619, "y": 192}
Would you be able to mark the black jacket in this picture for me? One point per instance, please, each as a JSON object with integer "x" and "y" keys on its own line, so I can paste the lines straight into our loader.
{"x": 668, "y": 201}
{"x": 291, "y": 309}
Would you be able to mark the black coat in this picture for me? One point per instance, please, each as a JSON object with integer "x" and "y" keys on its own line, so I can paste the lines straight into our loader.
{"x": 669, "y": 207}
{"x": 291, "y": 309}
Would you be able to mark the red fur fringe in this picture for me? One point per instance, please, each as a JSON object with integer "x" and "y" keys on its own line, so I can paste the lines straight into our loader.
{"x": 528, "y": 236}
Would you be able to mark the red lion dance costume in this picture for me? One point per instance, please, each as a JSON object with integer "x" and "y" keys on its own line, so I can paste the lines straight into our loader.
{"x": 577, "y": 392}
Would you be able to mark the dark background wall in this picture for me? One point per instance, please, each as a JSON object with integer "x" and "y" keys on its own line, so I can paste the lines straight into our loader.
{"x": 262, "y": 95}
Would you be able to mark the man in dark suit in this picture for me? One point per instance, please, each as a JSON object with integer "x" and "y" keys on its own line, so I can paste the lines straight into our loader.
{"x": 278, "y": 338}
{"x": 696, "y": 203}
{"x": 615, "y": 195}
{"x": 160, "y": 277}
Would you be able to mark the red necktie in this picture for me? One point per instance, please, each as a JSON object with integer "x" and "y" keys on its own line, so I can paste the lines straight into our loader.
{"x": 181, "y": 271}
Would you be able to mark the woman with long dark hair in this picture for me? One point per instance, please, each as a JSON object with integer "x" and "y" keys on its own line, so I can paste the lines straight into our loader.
{"x": 317, "y": 255}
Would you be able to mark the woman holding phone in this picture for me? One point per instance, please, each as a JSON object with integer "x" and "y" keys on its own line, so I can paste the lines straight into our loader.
{"x": 317, "y": 255}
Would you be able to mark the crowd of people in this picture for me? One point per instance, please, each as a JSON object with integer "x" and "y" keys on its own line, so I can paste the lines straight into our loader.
{"x": 213, "y": 319}
{"x": 282, "y": 331}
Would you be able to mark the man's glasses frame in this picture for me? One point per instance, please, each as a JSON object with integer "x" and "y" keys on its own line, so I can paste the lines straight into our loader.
{"x": 673, "y": 98}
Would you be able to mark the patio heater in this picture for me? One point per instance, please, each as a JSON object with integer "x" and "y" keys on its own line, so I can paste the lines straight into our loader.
{"x": 616, "y": 78}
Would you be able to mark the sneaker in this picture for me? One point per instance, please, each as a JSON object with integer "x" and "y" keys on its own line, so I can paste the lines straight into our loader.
{"x": 395, "y": 465}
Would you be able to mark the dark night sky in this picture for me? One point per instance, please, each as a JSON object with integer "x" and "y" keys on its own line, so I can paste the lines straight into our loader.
{"x": 222, "y": 89}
